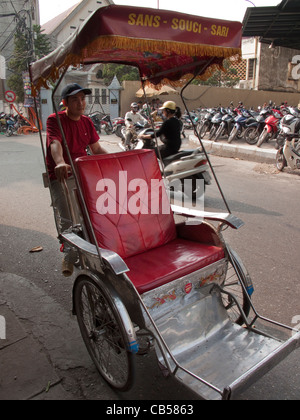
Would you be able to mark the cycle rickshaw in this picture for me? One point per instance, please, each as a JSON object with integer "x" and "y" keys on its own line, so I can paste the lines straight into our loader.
{"x": 141, "y": 277}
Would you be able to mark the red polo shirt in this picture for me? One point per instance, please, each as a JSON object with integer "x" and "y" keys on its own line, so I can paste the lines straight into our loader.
{"x": 79, "y": 135}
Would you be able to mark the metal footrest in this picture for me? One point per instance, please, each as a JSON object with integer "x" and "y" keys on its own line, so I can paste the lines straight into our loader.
{"x": 213, "y": 357}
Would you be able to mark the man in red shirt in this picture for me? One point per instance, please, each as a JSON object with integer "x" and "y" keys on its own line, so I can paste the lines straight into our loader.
{"x": 80, "y": 134}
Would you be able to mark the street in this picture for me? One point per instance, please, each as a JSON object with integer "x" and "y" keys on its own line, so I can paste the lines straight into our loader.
{"x": 267, "y": 201}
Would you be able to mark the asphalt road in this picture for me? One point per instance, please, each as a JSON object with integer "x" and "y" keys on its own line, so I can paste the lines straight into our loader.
{"x": 267, "y": 201}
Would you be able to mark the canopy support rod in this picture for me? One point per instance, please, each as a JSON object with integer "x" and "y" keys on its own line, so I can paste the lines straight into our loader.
{"x": 202, "y": 70}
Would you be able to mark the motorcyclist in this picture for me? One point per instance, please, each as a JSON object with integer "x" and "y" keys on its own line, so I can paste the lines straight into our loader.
{"x": 131, "y": 118}
{"x": 170, "y": 130}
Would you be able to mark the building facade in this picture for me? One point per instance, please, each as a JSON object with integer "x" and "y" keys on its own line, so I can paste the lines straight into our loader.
{"x": 269, "y": 68}
{"x": 61, "y": 28}
{"x": 12, "y": 14}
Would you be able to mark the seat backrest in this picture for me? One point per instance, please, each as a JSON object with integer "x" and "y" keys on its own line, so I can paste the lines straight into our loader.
{"x": 127, "y": 202}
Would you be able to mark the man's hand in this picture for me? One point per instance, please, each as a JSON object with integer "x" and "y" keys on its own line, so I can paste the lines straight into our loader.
{"x": 61, "y": 171}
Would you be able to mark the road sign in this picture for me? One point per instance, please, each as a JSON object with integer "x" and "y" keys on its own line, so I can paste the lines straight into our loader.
{"x": 10, "y": 96}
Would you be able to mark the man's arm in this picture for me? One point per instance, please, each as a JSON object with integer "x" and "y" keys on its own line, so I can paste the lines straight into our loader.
{"x": 97, "y": 149}
{"x": 62, "y": 168}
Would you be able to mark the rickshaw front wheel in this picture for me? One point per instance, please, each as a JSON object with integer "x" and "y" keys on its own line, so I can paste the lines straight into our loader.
{"x": 104, "y": 333}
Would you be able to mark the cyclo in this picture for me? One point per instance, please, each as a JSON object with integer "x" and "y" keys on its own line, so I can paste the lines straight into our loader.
{"x": 143, "y": 277}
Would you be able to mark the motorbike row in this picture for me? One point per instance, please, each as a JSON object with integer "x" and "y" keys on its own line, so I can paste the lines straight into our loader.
{"x": 104, "y": 122}
{"x": 255, "y": 127}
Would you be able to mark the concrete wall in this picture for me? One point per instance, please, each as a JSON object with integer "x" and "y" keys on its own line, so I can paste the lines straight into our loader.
{"x": 205, "y": 96}
{"x": 275, "y": 69}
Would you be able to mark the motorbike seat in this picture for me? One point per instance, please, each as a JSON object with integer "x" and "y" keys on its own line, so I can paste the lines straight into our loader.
{"x": 179, "y": 155}
{"x": 138, "y": 227}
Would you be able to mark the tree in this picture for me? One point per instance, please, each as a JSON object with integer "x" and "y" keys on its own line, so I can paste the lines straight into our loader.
{"x": 121, "y": 71}
{"x": 229, "y": 78}
{"x": 28, "y": 47}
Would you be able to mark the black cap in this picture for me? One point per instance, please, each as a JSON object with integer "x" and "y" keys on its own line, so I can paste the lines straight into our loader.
{"x": 73, "y": 89}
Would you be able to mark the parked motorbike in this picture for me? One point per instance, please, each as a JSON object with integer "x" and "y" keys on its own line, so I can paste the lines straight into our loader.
{"x": 241, "y": 124}
{"x": 255, "y": 128}
{"x": 289, "y": 120}
{"x": 96, "y": 119}
{"x": 106, "y": 124}
{"x": 226, "y": 125}
{"x": 271, "y": 128}
{"x": 205, "y": 124}
{"x": 289, "y": 154}
{"x": 12, "y": 125}
{"x": 118, "y": 124}
{"x": 216, "y": 122}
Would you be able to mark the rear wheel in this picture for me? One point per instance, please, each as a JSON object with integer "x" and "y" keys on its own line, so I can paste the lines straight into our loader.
{"x": 104, "y": 333}
{"x": 235, "y": 287}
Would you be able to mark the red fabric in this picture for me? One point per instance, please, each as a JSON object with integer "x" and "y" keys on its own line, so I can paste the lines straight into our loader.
{"x": 79, "y": 135}
{"x": 170, "y": 262}
{"x": 147, "y": 242}
{"x": 155, "y": 41}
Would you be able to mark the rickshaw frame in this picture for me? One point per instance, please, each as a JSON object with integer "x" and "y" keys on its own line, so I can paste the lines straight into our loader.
{"x": 108, "y": 273}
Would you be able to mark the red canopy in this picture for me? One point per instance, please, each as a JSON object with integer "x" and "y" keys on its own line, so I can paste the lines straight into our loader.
{"x": 166, "y": 46}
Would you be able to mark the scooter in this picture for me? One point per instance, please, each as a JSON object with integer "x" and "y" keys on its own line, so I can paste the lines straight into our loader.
{"x": 271, "y": 128}
{"x": 240, "y": 125}
{"x": 205, "y": 124}
{"x": 226, "y": 125}
{"x": 289, "y": 154}
{"x": 255, "y": 129}
{"x": 107, "y": 125}
{"x": 216, "y": 122}
{"x": 118, "y": 124}
{"x": 135, "y": 142}
{"x": 185, "y": 165}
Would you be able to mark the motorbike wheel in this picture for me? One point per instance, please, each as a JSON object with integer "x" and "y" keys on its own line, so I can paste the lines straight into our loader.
{"x": 203, "y": 129}
{"x": 233, "y": 134}
{"x": 220, "y": 133}
{"x": 119, "y": 131}
{"x": 263, "y": 137}
{"x": 9, "y": 132}
{"x": 213, "y": 133}
{"x": 281, "y": 162}
{"x": 251, "y": 136}
{"x": 108, "y": 130}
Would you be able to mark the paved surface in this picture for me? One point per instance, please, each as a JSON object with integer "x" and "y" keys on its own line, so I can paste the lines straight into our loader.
{"x": 239, "y": 150}
{"x": 38, "y": 344}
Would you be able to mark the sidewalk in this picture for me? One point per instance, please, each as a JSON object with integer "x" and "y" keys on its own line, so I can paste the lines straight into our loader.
{"x": 39, "y": 339}
{"x": 239, "y": 150}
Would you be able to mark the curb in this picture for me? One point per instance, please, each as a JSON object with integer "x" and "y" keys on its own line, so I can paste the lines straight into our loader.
{"x": 238, "y": 151}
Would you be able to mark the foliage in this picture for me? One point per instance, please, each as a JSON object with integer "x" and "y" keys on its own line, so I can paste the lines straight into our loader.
{"x": 121, "y": 71}
{"x": 28, "y": 46}
{"x": 229, "y": 78}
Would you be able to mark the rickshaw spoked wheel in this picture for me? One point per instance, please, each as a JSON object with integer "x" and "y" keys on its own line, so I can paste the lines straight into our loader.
{"x": 233, "y": 285}
{"x": 104, "y": 333}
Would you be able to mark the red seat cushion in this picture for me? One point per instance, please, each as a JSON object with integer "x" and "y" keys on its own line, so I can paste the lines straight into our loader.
{"x": 118, "y": 192}
{"x": 170, "y": 262}
{"x": 134, "y": 176}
